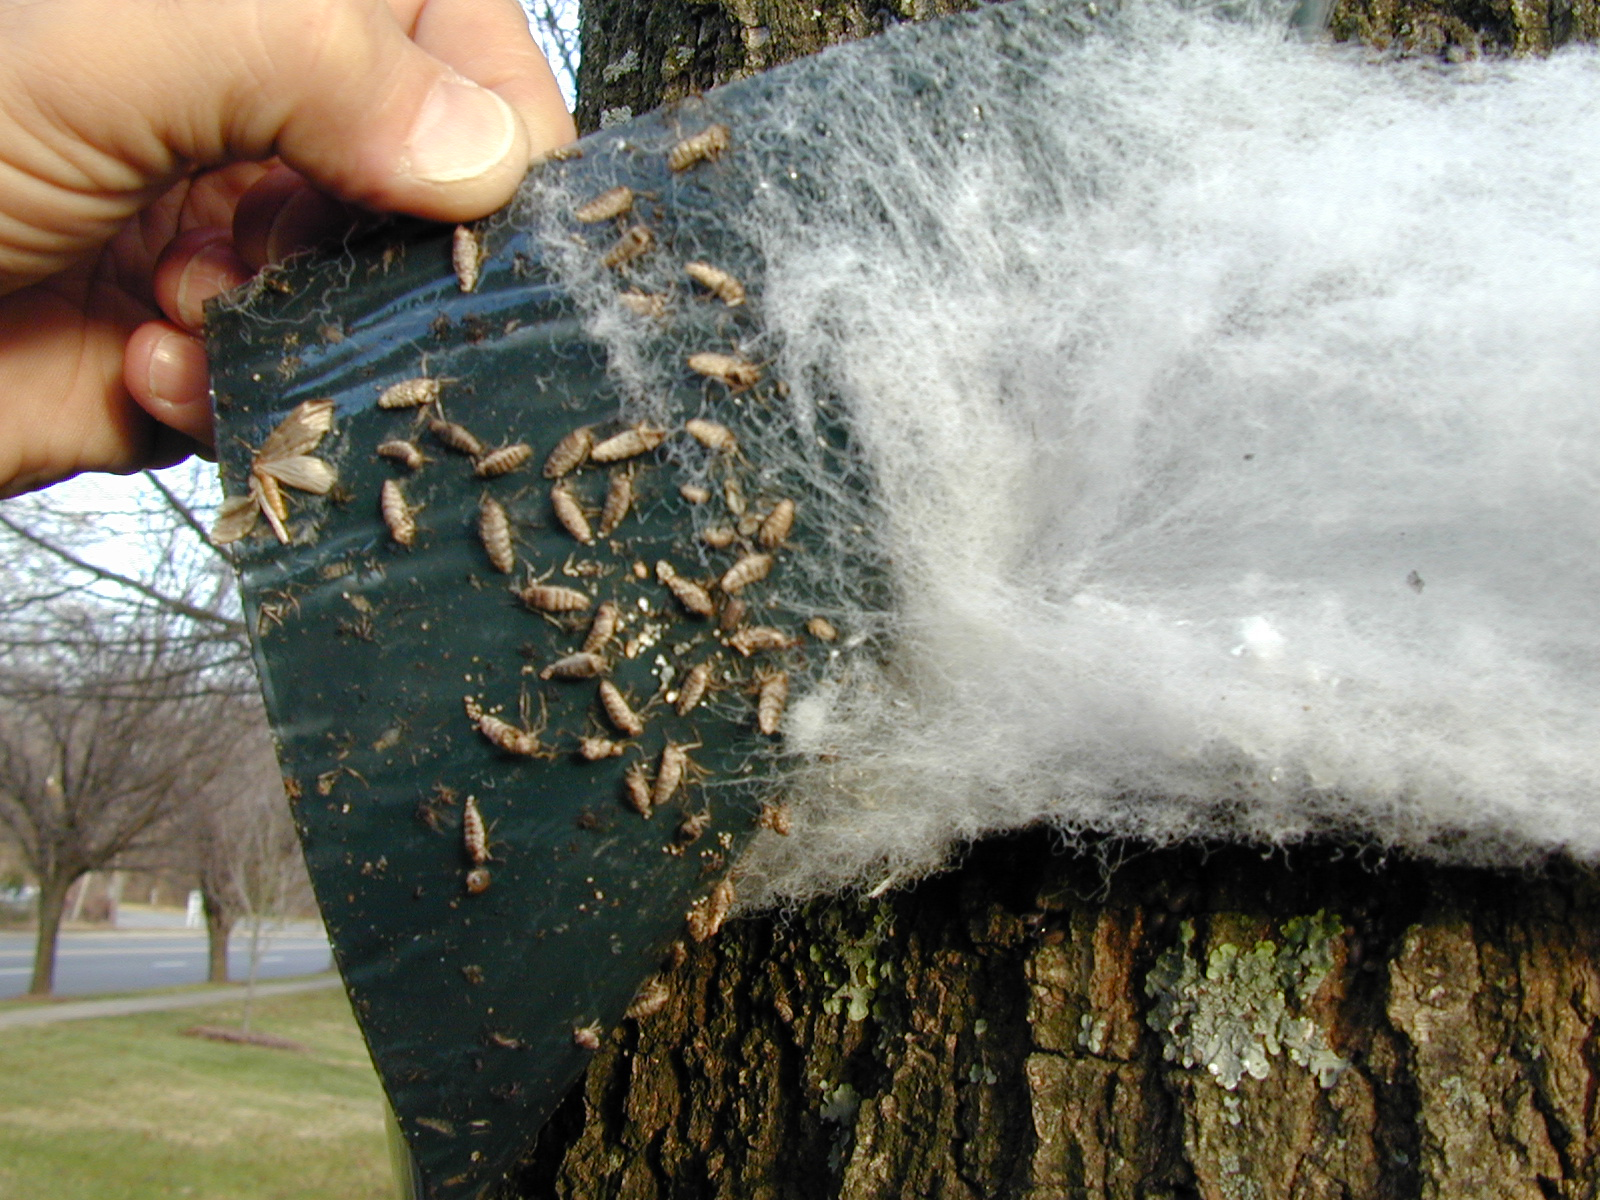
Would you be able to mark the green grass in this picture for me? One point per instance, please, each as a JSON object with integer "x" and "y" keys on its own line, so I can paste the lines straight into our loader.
{"x": 126, "y": 1108}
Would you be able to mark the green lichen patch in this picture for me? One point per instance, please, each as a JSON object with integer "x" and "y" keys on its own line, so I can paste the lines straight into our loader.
{"x": 1243, "y": 1006}
{"x": 853, "y": 971}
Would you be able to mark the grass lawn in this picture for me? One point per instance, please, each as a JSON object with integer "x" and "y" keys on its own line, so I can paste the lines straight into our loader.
{"x": 126, "y": 1108}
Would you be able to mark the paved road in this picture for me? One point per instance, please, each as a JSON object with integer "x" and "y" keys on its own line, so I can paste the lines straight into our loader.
{"x": 93, "y": 963}
{"x": 46, "y": 1014}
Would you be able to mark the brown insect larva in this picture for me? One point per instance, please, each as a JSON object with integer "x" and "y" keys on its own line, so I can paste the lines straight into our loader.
{"x": 650, "y": 999}
{"x": 618, "y": 711}
{"x": 771, "y": 701}
{"x": 733, "y": 497}
{"x": 694, "y": 493}
{"x": 630, "y": 443}
{"x": 502, "y": 734}
{"x": 775, "y": 529}
{"x": 570, "y": 513}
{"x": 749, "y": 569}
{"x": 503, "y": 460}
{"x": 569, "y": 453}
{"x": 637, "y": 785}
{"x": 567, "y": 153}
{"x": 736, "y": 372}
{"x": 587, "y": 1037}
{"x": 733, "y": 613}
{"x": 694, "y": 688}
{"x": 474, "y": 834}
{"x": 606, "y": 205}
{"x": 397, "y": 513}
{"x": 478, "y": 880}
{"x": 619, "y": 499}
{"x": 466, "y": 256}
{"x": 822, "y": 629}
{"x": 748, "y": 524}
{"x": 711, "y": 435}
{"x": 407, "y": 454}
{"x": 716, "y": 281}
{"x": 708, "y": 144}
{"x": 674, "y": 764}
{"x": 707, "y": 916}
{"x": 754, "y": 638}
{"x": 494, "y": 530}
{"x": 635, "y": 241}
{"x": 457, "y": 437}
{"x": 691, "y": 595}
{"x": 547, "y": 597}
{"x": 692, "y": 828}
{"x": 644, "y": 304}
{"x": 774, "y": 817}
{"x": 574, "y": 666}
{"x": 593, "y": 749}
{"x": 606, "y": 619}
{"x": 410, "y": 393}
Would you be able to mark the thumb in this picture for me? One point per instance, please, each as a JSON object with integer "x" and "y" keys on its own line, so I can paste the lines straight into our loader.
{"x": 336, "y": 88}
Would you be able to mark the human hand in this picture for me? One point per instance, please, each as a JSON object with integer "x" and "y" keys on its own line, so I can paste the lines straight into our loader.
{"x": 153, "y": 155}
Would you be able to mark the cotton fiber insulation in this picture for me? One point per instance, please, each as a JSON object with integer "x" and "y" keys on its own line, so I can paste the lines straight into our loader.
{"x": 1225, "y": 412}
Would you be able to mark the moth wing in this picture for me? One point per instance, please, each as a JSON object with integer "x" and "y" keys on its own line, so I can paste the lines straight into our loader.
{"x": 302, "y": 471}
{"x": 236, "y": 518}
{"x": 297, "y": 433}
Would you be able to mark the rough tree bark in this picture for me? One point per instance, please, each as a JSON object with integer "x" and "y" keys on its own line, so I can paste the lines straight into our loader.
{"x": 1212, "y": 1022}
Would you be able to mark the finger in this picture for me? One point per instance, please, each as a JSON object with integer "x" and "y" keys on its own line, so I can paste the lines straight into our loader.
{"x": 164, "y": 369}
{"x": 283, "y": 214}
{"x": 489, "y": 42}
{"x": 195, "y": 267}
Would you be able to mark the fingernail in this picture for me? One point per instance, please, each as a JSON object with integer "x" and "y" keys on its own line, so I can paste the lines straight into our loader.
{"x": 177, "y": 370}
{"x": 212, "y": 270}
{"x": 462, "y": 132}
{"x": 306, "y": 219}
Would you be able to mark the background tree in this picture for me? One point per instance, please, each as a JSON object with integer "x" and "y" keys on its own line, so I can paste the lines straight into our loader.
{"x": 1103, "y": 1020}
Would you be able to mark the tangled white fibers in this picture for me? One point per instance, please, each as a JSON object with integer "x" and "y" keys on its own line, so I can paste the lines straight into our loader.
{"x": 1229, "y": 408}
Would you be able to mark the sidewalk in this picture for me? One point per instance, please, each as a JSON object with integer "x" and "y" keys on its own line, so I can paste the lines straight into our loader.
{"x": 77, "y": 1010}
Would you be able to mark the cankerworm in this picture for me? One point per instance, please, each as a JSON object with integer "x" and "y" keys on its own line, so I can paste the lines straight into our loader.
{"x": 619, "y": 499}
{"x": 494, "y": 530}
{"x": 707, "y": 916}
{"x": 694, "y": 688}
{"x": 408, "y": 454}
{"x": 650, "y": 999}
{"x": 775, "y": 529}
{"x": 736, "y": 372}
{"x": 551, "y": 598}
{"x": 630, "y": 443}
{"x": 771, "y": 700}
{"x": 466, "y": 256}
{"x": 755, "y": 638}
{"x": 636, "y": 786}
{"x": 569, "y": 453}
{"x": 733, "y": 497}
{"x": 733, "y": 613}
{"x": 606, "y": 619}
{"x": 618, "y": 711}
{"x": 564, "y": 153}
{"x": 502, "y": 461}
{"x": 692, "y": 828}
{"x": 397, "y": 513}
{"x": 748, "y": 524}
{"x": 478, "y": 880}
{"x": 574, "y": 666}
{"x": 608, "y": 204}
{"x": 694, "y": 493}
{"x": 718, "y": 537}
{"x": 822, "y": 629}
{"x": 716, "y": 281}
{"x": 775, "y": 816}
{"x": 587, "y": 1037}
{"x": 708, "y": 144}
{"x": 283, "y": 458}
{"x": 410, "y": 393}
{"x": 503, "y": 735}
{"x": 570, "y": 513}
{"x": 750, "y": 569}
{"x": 635, "y": 242}
{"x": 711, "y": 435}
{"x": 474, "y": 833}
{"x": 669, "y": 774}
{"x": 456, "y": 437}
{"x": 273, "y": 505}
{"x": 593, "y": 749}
{"x": 691, "y": 595}
{"x": 644, "y": 304}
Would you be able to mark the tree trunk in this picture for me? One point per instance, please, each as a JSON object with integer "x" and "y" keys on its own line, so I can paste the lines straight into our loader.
{"x": 219, "y": 927}
{"x": 52, "y": 900}
{"x": 1197, "y": 1021}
